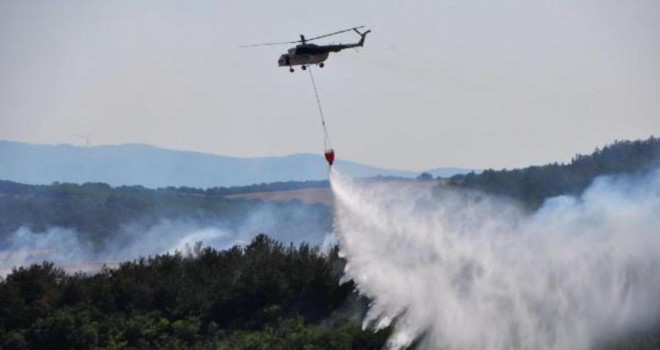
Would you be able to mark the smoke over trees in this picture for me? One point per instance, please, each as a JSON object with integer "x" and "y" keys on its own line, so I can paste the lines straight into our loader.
{"x": 534, "y": 184}
{"x": 112, "y": 222}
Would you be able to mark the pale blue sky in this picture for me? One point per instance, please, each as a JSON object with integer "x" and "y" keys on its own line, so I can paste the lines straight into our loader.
{"x": 439, "y": 83}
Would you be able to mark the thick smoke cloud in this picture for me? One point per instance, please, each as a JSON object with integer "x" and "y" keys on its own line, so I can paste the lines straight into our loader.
{"x": 463, "y": 270}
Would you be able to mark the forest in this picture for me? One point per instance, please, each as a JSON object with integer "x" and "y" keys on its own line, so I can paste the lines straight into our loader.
{"x": 261, "y": 296}
{"x": 265, "y": 294}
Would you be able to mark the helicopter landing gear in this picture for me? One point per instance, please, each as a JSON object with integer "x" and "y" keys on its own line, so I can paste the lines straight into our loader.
{"x": 291, "y": 69}
{"x": 303, "y": 67}
{"x": 321, "y": 65}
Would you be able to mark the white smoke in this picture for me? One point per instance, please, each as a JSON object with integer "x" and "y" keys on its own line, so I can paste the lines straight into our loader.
{"x": 68, "y": 250}
{"x": 79, "y": 251}
{"x": 24, "y": 247}
{"x": 463, "y": 270}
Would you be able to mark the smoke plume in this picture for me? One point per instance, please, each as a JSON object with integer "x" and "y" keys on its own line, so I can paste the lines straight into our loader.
{"x": 453, "y": 269}
{"x": 79, "y": 251}
{"x": 67, "y": 249}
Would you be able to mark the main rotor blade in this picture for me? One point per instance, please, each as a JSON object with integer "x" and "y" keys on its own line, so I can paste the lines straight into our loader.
{"x": 299, "y": 41}
{"x": 335, "y": 33}
{"x": 270, "y": 44}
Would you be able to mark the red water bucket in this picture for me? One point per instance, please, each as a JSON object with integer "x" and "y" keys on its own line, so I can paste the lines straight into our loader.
{"x": 330, "y": 156}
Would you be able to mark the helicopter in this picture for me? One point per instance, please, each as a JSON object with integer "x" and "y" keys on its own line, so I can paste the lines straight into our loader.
{"x": 305, "y": 54}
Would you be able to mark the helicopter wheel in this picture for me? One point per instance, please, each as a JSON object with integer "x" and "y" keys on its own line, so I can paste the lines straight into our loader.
{"x": 303, "y": 67}
{"x": 291, "y": 69}
{"x": 321, "y": 65}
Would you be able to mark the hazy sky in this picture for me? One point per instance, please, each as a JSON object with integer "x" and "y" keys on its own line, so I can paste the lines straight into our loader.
{"x": 439, "y": 83}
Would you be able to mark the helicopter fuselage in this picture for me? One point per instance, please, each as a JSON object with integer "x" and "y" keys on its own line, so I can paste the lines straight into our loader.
{"x": 304, "y": 55}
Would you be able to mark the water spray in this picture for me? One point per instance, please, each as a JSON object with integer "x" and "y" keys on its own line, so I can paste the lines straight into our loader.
{"x": 456, "y": 270}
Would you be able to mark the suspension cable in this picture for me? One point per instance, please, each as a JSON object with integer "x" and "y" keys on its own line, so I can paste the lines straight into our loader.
{"x": 326, "y": 140}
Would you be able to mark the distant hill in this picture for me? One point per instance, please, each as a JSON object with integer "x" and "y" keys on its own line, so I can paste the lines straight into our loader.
{"x": 138, "y": 164}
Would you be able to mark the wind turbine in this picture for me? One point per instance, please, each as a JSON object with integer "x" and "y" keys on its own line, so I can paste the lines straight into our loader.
{"x": 86, "y": 137}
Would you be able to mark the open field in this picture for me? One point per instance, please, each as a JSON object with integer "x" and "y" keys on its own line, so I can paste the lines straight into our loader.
{"x": 305, "y": 195}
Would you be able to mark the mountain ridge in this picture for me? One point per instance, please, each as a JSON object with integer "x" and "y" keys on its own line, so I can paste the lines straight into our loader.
{"x": 153, "y": 167}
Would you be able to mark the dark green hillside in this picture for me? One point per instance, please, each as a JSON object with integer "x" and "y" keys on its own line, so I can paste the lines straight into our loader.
{"x": 534, "y": 184}
{"x": 263, "y": 296}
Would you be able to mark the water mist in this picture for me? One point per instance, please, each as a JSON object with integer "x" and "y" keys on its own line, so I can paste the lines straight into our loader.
{"x": 452, "y": 269}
